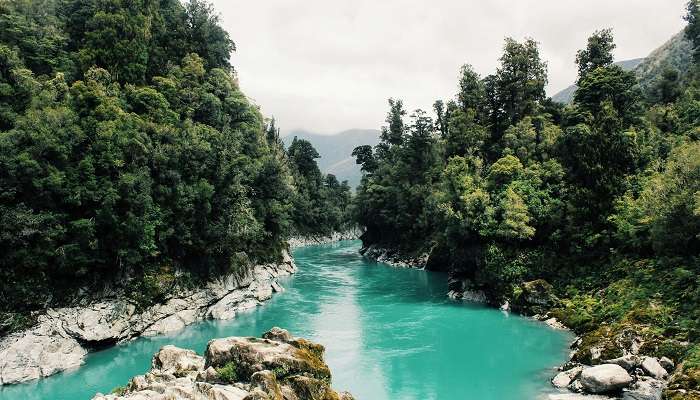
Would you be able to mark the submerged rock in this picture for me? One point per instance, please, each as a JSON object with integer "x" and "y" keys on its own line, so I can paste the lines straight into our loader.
{"x": 604, "y": 378}
{"x": 276, "y": 367}
{"x": 62, "y": 337}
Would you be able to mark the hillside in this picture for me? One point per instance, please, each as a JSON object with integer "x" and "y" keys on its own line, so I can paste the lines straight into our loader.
{"x": 336, "y": 150}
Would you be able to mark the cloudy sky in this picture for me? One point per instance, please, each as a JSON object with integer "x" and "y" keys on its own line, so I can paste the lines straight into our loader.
{"x": 330, "y": 65}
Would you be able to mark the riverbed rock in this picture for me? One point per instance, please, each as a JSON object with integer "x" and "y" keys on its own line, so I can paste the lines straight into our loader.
{"x": 645, "y": 389}
{"x": 629, "y": 362}
{"x": 564, "y": 378}
{"x": 653, "y": 368}
{"x": 63, "y": 336}
{"x": 576, "y": 396}
{"x": 604, "y": 378}
{"x": 265, "y": 369}
{"x": 667, "y": 364}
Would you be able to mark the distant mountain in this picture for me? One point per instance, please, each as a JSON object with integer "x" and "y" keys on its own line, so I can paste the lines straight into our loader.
{"x": 336, "y": 150}
{"x": 566, "y": 96}
{"x": 677, "y": 53}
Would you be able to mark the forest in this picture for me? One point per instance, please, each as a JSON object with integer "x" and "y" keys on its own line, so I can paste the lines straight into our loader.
{"x": 129, "y": 154}
{"x": 512, "y": 193}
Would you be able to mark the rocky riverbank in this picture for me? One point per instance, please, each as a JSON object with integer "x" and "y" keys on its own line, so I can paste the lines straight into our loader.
{"x": 393, "y": 257}
{"x": 301, "y": 241}
{"x": 62, "y": 337}
{"x": 278, "y": 366}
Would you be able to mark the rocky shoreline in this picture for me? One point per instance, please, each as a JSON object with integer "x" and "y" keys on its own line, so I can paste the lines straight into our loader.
{"x": 393, "y": 258}
{"x": 301, "y": 241}
{"x": 277, "y": 366}
{"x": 62, "y": 337}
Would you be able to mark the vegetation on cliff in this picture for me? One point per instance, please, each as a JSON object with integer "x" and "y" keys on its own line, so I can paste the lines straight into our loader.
{"x": 128, "y": 151}
{"x": 600, "y": 198}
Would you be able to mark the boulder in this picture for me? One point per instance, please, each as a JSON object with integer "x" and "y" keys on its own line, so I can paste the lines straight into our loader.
{"x": 653, "y": 368}
{"x": 645, "y": 389}
{"x": 535, "y": 297}
{"x": 667, "y": 363}
{"x": 564, "y": 378}
{"x": 629, "y": 362}
{"x": 289, "y": 371}
{"x": 177, "y": 361}
{"x": 278, "y": 334}
{"x": 251, "y": 355}
{"x": 604, "y": 378}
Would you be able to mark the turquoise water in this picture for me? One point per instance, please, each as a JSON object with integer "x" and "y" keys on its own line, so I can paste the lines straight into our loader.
{"x": 389, "y": 333}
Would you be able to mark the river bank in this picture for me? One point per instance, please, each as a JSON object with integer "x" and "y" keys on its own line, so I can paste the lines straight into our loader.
{"x": 591, "y": 373}
{"x": 63, "y": 337}
{"x": 301, "y": 241}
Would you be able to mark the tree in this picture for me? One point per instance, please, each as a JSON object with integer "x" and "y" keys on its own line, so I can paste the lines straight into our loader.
{"x": 597, "y": 54}
{"x": 520, "y": 79}
{"x": 393, "y": 133}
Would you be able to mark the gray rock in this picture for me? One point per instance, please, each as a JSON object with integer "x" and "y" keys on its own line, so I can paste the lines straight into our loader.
{"x": 279, "y": 334}
{"x": 177, "y": 361}
{"x": 628, "y": 362}
{"x": 667, "y": 364}
{"x": 645, "y": 389}
{"x": 653, "y": 368}
{"x": 604, "y": 378}
{"x": 564, "y": 378}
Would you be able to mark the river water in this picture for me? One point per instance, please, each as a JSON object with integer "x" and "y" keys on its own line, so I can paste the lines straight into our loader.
{"x": 390, "y": 334}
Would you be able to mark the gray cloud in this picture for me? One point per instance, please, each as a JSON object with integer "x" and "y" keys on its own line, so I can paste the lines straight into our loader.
{"x": 327, "y": 66}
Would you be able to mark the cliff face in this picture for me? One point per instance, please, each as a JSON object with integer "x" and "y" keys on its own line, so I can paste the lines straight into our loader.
{"x": 63, "y": 337}
{"x": 276, "y": 367}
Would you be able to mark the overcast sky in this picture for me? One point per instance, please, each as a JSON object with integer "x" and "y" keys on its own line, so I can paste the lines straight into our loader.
{"x": 330, "y": 65}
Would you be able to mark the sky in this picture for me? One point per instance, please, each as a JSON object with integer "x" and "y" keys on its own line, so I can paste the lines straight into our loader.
{"x": 329, "y": 65}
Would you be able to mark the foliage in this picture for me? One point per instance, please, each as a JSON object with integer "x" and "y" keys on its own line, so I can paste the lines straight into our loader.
{"x": 600, "y": 198}
{"x": 128, "y": 153}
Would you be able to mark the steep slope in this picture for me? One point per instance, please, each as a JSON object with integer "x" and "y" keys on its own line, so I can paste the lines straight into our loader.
{"x": 336, "y": 150}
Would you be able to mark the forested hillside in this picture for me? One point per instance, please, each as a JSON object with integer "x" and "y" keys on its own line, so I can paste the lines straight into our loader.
{"x": 128, "y": 153}
{"x": 504, "y": 188}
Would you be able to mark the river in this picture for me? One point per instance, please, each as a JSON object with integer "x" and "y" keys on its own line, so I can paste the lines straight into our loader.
{"x": 389, "y": 334}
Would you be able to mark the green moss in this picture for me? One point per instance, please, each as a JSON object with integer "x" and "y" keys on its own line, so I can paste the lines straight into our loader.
{"x": 119, "y": 390}
{"x": 228, "y": 373}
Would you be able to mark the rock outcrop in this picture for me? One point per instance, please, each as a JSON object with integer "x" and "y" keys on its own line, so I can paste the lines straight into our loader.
{"x": 394, "y": 258}
{"x": 62, "y": 337}
{"x": 605, "y": 378}
{"x": 301, "y": 241}
{"x": 276, "y": 367}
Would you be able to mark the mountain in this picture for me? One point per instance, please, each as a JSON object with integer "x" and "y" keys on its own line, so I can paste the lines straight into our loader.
{"x": 566, "y": 96}
{"x": 336, "y": 151}
{"x": 676, "y": 54}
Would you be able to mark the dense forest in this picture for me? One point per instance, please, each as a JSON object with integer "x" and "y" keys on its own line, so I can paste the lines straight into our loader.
{"x": 128, "y": 153}
{"x": 510, "y": 192}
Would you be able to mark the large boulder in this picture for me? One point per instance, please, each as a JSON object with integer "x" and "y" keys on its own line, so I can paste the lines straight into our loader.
{"x": 564, "y": 378}
{"x": 177, "y": 361}
{"x": 604, "y": 378}
{"x": 653, "y": 368}
{"x": 278, "y": 368}
{"x": 645, "y": 389}
{"x": 534, "y": 297}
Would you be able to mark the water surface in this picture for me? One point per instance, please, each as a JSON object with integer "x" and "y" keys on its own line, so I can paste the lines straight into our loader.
{"x": 390, "y": 334}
